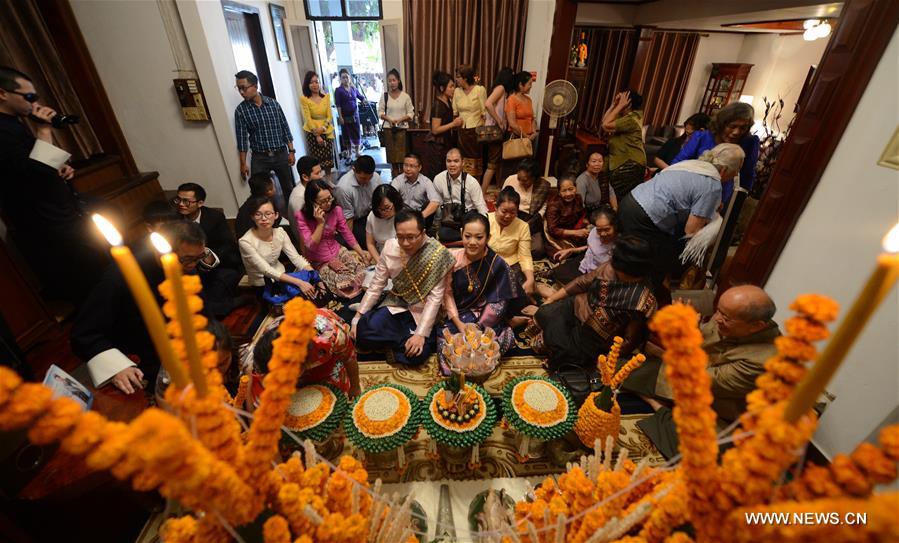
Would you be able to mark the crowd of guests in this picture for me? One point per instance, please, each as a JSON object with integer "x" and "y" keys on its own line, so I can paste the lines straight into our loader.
{"x": 422, "y": 254}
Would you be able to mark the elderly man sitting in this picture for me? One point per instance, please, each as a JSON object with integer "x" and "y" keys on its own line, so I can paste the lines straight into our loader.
{"x": 738, "y": 339}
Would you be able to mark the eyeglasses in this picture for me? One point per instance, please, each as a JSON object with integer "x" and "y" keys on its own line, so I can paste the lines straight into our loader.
{"x": 408, "y": 239}
{"x": 30, "y": 97}
{"x": 265, "y": 215}
{"x": 386, "y": 209}
{"x": 191, "y": 259}
{"x": 242, "y": 88}
{"x": 324, "y": 201}
{"x": 178, "y": 201}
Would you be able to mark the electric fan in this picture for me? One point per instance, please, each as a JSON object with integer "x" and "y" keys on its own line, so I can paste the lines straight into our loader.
{"x": 559, "y": 100}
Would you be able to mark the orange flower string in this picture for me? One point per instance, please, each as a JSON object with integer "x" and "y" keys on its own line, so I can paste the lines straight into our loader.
{"x": 276, "y": 530}
{"x": 635, "y": 362}
{"x": 179, "y": 530}
{"x": 284, "y": 369}
{"x": 685, "y": 368}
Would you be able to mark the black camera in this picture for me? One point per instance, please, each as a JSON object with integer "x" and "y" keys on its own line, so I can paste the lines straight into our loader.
{"x": 60, "y": 120}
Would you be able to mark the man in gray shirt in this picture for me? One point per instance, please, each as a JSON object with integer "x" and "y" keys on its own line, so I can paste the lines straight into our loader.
{"x": 354, "y": 192}
{"x": 418, "y": 191}
{"x": 677, "y": 203}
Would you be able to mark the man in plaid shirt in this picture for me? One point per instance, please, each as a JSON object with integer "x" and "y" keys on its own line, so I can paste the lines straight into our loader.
{"x": 262, "y": 129}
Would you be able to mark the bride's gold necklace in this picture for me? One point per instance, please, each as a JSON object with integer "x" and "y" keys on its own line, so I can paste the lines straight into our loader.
{"x": 477, "y": 273}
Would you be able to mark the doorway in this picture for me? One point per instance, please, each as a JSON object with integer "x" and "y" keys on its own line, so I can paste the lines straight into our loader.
{"x": 247, "y": 43}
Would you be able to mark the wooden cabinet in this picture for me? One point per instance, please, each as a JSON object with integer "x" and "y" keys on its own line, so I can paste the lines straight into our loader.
{"x": 725, "y": 85}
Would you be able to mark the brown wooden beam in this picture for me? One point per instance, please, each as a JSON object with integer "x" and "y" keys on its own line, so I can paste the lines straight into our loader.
{"x": 864, "y": 30}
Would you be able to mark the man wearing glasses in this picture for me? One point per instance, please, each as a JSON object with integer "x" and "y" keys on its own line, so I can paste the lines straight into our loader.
{"x": 420, "y": 269}
{"x": 221, "y": 267}
{"x": 417, "y": 190}
{"x": 262, "y": 128}
{"x": 109, "y": 325}
{"x": 45, "y": 216}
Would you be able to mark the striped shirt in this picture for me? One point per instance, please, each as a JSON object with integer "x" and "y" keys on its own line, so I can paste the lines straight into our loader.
{"x": 264, "y": 126}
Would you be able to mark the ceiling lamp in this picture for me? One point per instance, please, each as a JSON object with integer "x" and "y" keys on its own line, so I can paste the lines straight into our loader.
{"x": 815, "y": 29}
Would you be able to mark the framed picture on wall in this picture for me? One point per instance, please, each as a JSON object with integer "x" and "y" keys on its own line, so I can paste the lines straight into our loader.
{"x": 278, "y": 16}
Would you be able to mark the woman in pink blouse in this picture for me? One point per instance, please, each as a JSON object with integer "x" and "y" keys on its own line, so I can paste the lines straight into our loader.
{"x": 319, "y": 221}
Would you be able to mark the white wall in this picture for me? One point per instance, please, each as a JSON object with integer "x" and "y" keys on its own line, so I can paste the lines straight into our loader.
{"x": 833, "y": 249}
{"x": 537, "y": 39}
{"x": 781, "y": 65}
{"x": 713, "y": 47}
{"x": 128, "y": 44}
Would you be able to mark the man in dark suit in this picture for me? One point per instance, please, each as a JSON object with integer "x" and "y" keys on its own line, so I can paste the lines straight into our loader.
{"x": 222, "y": 268}
{"x": 110, "y": 325}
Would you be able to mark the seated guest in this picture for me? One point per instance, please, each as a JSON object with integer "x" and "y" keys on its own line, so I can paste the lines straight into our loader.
{"x": 533, "y": 191}
{"x": 566, "y": 220}
{"x": 224, "y": 348}
{"x": 331, "y": 357}
{"x": 418, "y": 191}
{"x": 261, "y": 184}
{"x": 319, "y": 222}
{"x": 739, "y": 339}
{"x": 593, "y": 185}
{"x": 262, "y": 246}
{"x": 671, "y": 148}
{"x": 483, "y": 289}
{"x": 221, "y": 269}
{"x": 309, "y": 169}
{"x": 459, "y": 193}
{"x": 730, "y": 125}
{"x": 580, "y": 320}
{"x": 109, "y": 324}
{"x": 510, "y": 238}
{"x": 580, "y": 260}
{"x": 158, "y": 213}
{"x": 403, "y": 322}
{"x": 385, "y": 202}
{"x": 353, "y": 195}
{"x": 679, "y": 201}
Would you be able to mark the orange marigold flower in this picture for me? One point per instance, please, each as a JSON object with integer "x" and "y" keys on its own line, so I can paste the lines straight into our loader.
{"x": 889, "y": 441}
{"x": 874, "y": 463}
{"x": 275, "y": 530}
{"x": 87, "y": 434}
{"x": 56, "y": 422}
{"x": 179, "y": 530}
{"x": 806, "y": 329}
{"x": 9, "y": 381}
{"x": 816, "y": 307}
{"x": 795, "y": 349}
{"x": 28, "y": 401}
{"x": 848, "y": 476}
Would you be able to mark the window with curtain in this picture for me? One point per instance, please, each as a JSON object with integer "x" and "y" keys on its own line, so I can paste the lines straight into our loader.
{"x": 440, "y": 35}
{"x": 609, "y": 63}
{"x": 663, "y": 77}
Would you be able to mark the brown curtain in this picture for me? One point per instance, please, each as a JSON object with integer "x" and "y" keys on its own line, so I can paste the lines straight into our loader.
{"x": 609, "y": 62}
{"x": 26, "y": 45}
{"x": 664, "y": 76}
{"x": 441, "y": 34}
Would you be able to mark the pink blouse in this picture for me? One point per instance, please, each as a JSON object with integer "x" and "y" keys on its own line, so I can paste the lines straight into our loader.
{"x": 327, "y": 248}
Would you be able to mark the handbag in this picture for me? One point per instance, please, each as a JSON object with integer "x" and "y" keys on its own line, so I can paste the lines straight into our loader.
{"x": 579, "y": 381}
{"x": 382, "y": 136}
{"x": 489, "y": 134}
{"x": 281, "y": 293}
{"x": 517, "y": 148}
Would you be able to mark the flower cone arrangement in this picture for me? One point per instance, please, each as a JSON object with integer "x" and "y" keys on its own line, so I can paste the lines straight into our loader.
{"x": 600, "y": 414}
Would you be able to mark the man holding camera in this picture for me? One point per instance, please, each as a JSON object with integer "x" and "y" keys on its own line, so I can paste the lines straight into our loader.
{"x": 459, "y": 192}
{"x": 47, "y": 219}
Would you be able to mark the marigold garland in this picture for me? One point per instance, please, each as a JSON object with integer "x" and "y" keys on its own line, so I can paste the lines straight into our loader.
{"x": 276, "y": 530}
{"x": 635, "y": 362}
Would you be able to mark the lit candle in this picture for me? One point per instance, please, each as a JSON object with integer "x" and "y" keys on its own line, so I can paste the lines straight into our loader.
{"x": 146, "y": 302}
{"x": 876, "y": 289}
{"x": 172, "y": 268}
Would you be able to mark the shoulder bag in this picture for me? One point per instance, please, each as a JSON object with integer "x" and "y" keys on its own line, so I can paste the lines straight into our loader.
{"x": 519, "y": 147}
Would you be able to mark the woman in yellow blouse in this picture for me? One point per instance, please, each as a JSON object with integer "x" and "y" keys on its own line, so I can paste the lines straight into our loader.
{"x": 469, "y": 103}
{"x": 317, "y": 126}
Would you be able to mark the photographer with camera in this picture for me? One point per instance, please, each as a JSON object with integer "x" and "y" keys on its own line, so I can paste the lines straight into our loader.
{"x": 459, "y": 192}
{"x": 49, "y": 226}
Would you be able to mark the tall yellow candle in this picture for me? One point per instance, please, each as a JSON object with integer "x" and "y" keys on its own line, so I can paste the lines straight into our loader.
{"x": 876, "y": 289}
{"x": 172, "y": 268}
{"x": 146, "y": 302}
